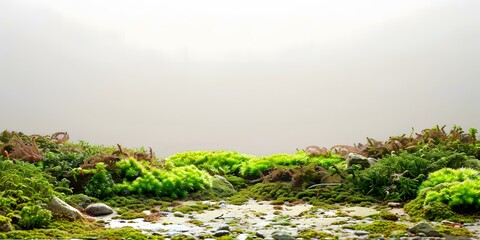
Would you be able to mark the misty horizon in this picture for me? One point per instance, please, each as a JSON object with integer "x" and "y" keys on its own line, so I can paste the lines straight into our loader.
{"x": 257, "y": 78}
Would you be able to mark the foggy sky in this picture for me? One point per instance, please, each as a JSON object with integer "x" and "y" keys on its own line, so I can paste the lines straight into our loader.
{"x": 257, "y": 77}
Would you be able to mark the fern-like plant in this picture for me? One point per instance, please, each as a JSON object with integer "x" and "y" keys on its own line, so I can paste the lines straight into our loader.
{"x": 101, "y": 184}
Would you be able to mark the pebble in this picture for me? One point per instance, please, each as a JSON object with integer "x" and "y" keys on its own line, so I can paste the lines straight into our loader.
{"x": 243, "y": 236}
{"x": 394, "y": 204}
{"x": 282, "y": 236}
{"x": 223, "y": 227}
{"x": 178, "y": 214}
{"x": 221, "y": 233}
{"x": 259, "y": 235}
{"x": 361, "y": 233}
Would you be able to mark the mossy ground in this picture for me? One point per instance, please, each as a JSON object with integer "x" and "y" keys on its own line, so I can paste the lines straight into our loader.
{"x": 79, "y": 230}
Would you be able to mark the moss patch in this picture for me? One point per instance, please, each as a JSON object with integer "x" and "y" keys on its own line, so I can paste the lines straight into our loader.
{"x": 381, "y": 227}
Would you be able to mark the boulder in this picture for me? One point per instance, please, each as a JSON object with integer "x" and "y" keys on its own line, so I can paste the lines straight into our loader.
{"x": 221, "y": 187}
{"x": 98, "y": 209}
{"x": 357, "y": 159}
{"x": 424, "y": 228}
{"x": 61, "y": 208}
{"x": 282, "y": 236}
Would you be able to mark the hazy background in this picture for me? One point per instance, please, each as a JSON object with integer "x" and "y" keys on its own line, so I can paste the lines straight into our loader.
{"x": 258, "y": 77}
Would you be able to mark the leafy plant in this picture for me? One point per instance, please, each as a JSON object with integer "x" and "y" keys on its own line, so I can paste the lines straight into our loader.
{"x": 34, "y": 217}
{"x": 22, "y": 183}
{"x": 176, "y": 182}
{"x": 215, "y": 162}
{"x": 448, "y": 175}
{"x": 395, "y": 176}
{"x": 101, "y": 184}
{"x": 255, "y": 167}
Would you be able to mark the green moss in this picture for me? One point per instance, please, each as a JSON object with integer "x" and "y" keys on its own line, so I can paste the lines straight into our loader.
{"x": 77, "y": 229}
{"x": 196, "y": 222}
{"x": 386, "y": 215}
{"x": 237, "y": 182}
{"x": 198, "y": 207}
{"x": 453, "y": 231}
{"x": 381, "y": 227}
{"x": 34, "y": 217}
{"x": 313, "y": 234}
{"x": 126, "y": 213}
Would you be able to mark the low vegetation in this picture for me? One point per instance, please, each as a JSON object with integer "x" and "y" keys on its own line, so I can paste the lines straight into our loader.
{"x": 434, "y": 172}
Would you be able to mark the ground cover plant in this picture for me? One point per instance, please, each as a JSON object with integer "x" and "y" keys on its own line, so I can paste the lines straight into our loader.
{"x": 435, "y": 172}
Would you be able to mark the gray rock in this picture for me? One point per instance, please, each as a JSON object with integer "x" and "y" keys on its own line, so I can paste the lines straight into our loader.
{"x": 424, "y": 228}
{"x": 223, "y": 227}
{"x": 5, "y": 225}
{"x": 178, "y": 214}
{"x": 259, "y": 235}
{"x": 221, "y": 187}
{"x": 221, "y": 233}
{"x": 61, "y": 208}
{"x": 244, "y": 236}
{"x": 282, "y": 236}
{"x": 394, "y": 204}
{"x": 357, "y": 159}
{"x": 224, "y": 180}
{"x": 361, "y": 233}
{"x": 98, "y": 209}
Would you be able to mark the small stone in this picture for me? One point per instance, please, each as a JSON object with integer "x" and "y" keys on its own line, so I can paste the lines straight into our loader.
{"x": 223, "y": 227}
{"x": 394, "y": 204}
{"x": 244, "y": 236}
{"x": 451, "y": 224}
{"x": 422, "y": 234}
{"x": 361, "y": 233}
{"x": 282, "y": 236}
{"x": 221, "y": 233}
{"x": 426, "y": 229}
{"x": 178, "y": 214}
{"x": 98, "y": 209}
{"x": 259, "y": 235}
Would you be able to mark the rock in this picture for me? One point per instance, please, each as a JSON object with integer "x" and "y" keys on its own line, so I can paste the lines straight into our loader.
{"x": 394, "y": 204}
{"x": 224, "y": 180}
{"x": 244, "y": 236}
{"x": 222, "y": 204}
{"x": 61, "y": 208}
{"x": 451, "y": 224}
{"x": 282, "y": 236}
{"x": 221, "y": 187}
{"x": 221, "y": 233}
{"x": 98, "y": 209}
{"x": 178, "y": 214}
{"x": 223, "y": 227}
{"x": 5, "y": 225}
{"x": 424, "y": 228}
{"x": 81, "y": 200}
{"x": 357, "y": 159}
{"x": 361, "y": 233}
{"x": 259, "y": 235}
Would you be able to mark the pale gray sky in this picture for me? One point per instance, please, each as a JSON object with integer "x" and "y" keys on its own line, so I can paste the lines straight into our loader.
{"x": 258, "y": 77}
